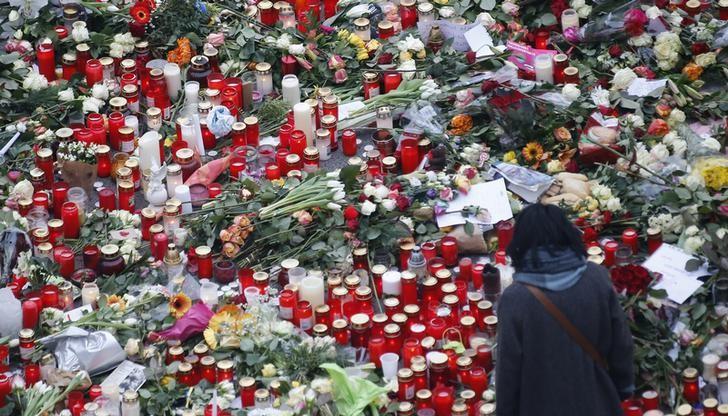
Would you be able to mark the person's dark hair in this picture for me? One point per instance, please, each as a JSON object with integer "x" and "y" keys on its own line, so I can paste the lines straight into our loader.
{"x": 543, "y": 226}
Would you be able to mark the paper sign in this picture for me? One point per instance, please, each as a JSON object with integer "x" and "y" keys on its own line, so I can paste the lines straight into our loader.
{"x": 679, "y": 283}
{"x": 127, "y": 376}
{"x": 489, "y": 196}
{"x": 479, "y": 41}
{"x": 75, "y": 314}
{"x": 642, "y": 87}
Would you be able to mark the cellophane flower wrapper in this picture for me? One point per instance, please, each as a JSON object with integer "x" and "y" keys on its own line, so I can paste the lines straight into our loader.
{"x": 422, "y": 118}
{"x": 76, "y": 349}
{"x": 352, "y": 394}
{"x": 192, "y": 323}
{"x": 603, "y": 28}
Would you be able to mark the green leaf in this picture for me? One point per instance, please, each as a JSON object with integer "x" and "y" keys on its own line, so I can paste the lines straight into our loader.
{"x": 487, "y": 5}
{"x": 421, "y": 229}
{"x": 246, "y": 345}
{"x": 683, "y": 193}
{"x": 145, "y": 394}
{"x": 373, "y": 233}
{"x": 469, "y": 228}
{"x": 547, "y": 19}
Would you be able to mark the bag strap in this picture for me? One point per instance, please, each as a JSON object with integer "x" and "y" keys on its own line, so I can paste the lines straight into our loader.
{"x": 565, "y": 323}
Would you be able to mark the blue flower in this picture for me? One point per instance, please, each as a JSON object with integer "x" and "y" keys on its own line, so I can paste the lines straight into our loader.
{"x": 201, "y": 7}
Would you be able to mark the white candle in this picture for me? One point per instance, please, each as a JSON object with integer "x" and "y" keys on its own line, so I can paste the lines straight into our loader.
{"x": 710, "y": 362}
{"x": 312, "y": 290}
{"x": 544, "y": 67}
{"x": 89, "y": 294}
{"x": 199, "y": 146}
{"x": 263, "y": 78}
{"x": 172, "y": 76}
{"x": 290, "y": 89}
{"x": 392, "y": 283}
{"x": 323, "y": 141}
{"x": 182, "y": 192}
{"x": 192, "y": 92}
{"x": 189, "y": 134}
{"x": 149, "y": 151}
{"x": 208, "y": 292}
{"x": 569, "y": 18}
{"x": 302, "y": 119}
{"x": 133, "y": 122}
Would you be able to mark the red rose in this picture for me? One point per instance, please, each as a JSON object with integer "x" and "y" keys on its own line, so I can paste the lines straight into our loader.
{"x": 488, "y": 86}
{"x": 572, "y": 166}
{"x": 590, "y": 234}
{"x": 362, "y": 197}
{"x": 607, "y": 217}
{"x": 350, "y": 213}
{"x": 352, "y": 225}
{"x": 470, "y": 57}
{"x": 644, "y": 72}
{"x": 402, "y": 202}
{"x": 580, "y": 222}
{"x": 385, "y": 58}
{"x": 635, "y": 21}
{"x": 558, "y": 7}
{"x": 396, "y": 187}
{"x": 658, "y": 128}
{"x": 699, "y": 48}
{"x": 615, "y": 51}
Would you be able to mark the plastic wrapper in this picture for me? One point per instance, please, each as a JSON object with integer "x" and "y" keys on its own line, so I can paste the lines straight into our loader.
{"x": 13, "y": 241}
{"x": 192, "y": 323}
{"x": 220, "y": 121}
{"x": 208, "y": 173}
{"x": 422, "y": 119}
{"x": 721, "y": 38}
{"x": 12, "y": 313}
{"x": 608, "y": 27}
{"x": 76, "y": 349}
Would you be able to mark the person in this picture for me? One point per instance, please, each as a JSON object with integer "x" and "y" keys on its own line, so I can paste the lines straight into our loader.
{"x": 541, "y": 369}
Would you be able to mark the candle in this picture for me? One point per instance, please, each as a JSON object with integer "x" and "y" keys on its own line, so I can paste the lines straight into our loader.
{"x": 133, "y": 123}
{"x": 208, "y": 292}
{"x": 182, "y": 192}
{"x": 392, "y": 283}
{"x": 569, "y": 18}
{"x": 192, "y": 93}
{"x": 31, "y": 314}
{"x": 172, "y": 76}
{"x": 89, "y": 293}
{"x": 449, "y": 248}
{"x": 47, "y": 59}
{"x": 311, "y": 289}
{"x": 544, "y": 67}
{"x": 263, "y": 78}
{"x": 149, "y": 157}
{"x": 71, "y": 219}
{"x": 303, "y": 122}
{"x": 629, "y": 238}
{"x": 710, "y": 362}
{"x": 290, "y": 89}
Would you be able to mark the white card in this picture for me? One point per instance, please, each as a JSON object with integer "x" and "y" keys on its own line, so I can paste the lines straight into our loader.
{"x": 75, "y": 314}
{"x": 642, "y": 87}
{"x": 480, "y": 41}
{"x": 679, "y": 283}
{"x": 491, "y": 196}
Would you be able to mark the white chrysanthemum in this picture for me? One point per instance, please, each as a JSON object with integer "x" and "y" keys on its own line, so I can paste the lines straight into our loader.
{"x": 622, "y": 78}
{"x": 34, "y": 81}
{"x": 676, "y": 117}
{"x": 614, "y": 204}
{"x": 693, "y": 244}
{"x": 554, "y": 166}
{"x": 705, "y": 59}
{"x": 659, "y": 152}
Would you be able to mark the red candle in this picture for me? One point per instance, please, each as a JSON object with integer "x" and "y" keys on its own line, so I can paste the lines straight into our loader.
{"x": 541, "y": 39}
{"x": 5, "y": 388}
{"x": 32, "y": 373}
{"x": 94, "y": 72}
{"x": 485, "y": 356}
{"x": 654, "y": 239}
{"x": 410, "y": 348}
{"x": 71, "y": 222}
{"x": 252, "y": 131}
{"x": 478, "y": 380}
{"x": 410, "y": 155}
{"x": 44, "y": 161}
{"x": 272, "y": 172}
{"x": 214, "y": 189}
{"x": 159, "y": 245}
{"x": 392, "y": 81}
{"x": 247, "y": 391}
{"x": 49, "y": 296}
{"x": 66, "y": 263}
{"x": 466, "y": 269}
{"x": 31, "y": 314}
{"x": 289, "y": 65}
{"x": 650, "y": 400}
{"x": 204, "y": 262}
{"x": 505, "y": 234}
{"x": 91, "y": 257}
{"x": 348, "y": 142}
{"x": 60, "y": 192}
{"x": 408, "y": 14}
{"x": 284, "y": 135}
{"x": 610, "y": 250}
{"x": 377, "y": 346}
{"x": 629, "y": 238}
{"x": 103, "y": 161}
{"x": 297, "y": 142}
{"x": 116, "y": 121}
{"x": 46, "y": 59}
{"x": 40, "y": 199}
{"x": 107, "y": 199}
{"x": 442, "y": 402}
{"x": 449, "y": 249}
{"x": 429, "y": 250}
{"x": 691, "y": 389}
{"x": 303, "y": 316}
{"x": 236, "y": 168}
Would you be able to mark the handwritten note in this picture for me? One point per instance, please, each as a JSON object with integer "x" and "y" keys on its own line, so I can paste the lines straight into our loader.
{"x": 489, "y": 196}
{"x": 670, "y": 262}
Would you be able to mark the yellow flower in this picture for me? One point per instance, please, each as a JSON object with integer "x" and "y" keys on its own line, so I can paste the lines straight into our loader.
{"x": 169, "y": 140}
{"x": 269, "y": 370}
{"x": 278, "y": 182}
{"x": 510, "y": 157}
{"x": 295, "y": 383}
{"x": 356, "y": 41}
{"x": 532, "y": 152}
{"x": 591, "y": 203}
{"x": 362, "y": 55}
{"x": 166, "y": 380}
{"x": 714, "y": 171}
{"x": 343, "y": 34}
{"x": 404, "y": 56}
{"x": 692, "y": 71}
{"x": 421, "y": 54}
{"x": 441, "y": 2}
{"x": 210, "y": 338}
{"x": 179, "y": 304}
{"x": 373, "y": 45}
{"x": 116, "y": 300}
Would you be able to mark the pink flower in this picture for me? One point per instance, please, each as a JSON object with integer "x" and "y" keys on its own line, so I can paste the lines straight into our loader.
{"x": 446, "y": 194}
{"x": 303, "y": 217}
{"x": 336, "y": 62}
{"x": 635, "y": 21}
{"x": 340, "y": 76}
{"x": 216, "y": 39}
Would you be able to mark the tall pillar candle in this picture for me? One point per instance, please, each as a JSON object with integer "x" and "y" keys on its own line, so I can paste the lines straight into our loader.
{"x": 392, "y": 283}
{"x": 569, "y": 18}
{"x": 192, "y": 92}
{"x": 173, "y": 79}
{"x": 149, "y": 151}
{"x": 133, "y": 122}
{"x": 290, "y": 89}
{"x": 544, "y": 66}
{"x": 302, "y": 119}
{"x": 312, "y": 290}
{"x": 182, "y": 192}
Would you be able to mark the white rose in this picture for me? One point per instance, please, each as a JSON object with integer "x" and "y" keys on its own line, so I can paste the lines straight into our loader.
{"x": 614, "y": 204}
{"x": 91, "y": 105}
{"x": 676, "y": 117}
{"x": 711, "y": 144}
{"x": 693, "y": 244}
{"x": 100, "y": 91}
{"x": 575, "y": 4}
{"x": 369, "y": 190}
{"x": 296, "y": 49}
{"x": 34, "y": 81}
{"x": 13, "y": 15}
{"x": 554, "y": 166}
{"x": 79, "y": 33}
{"x": 653, "y": 12}
{"x": 367, "y": 208}
{"x": 486, "y": 19}
{"x": 675, "y": 19}
{"x": 642, "y": 40}
{"x": 622, "y": 78}
{"x": 268, "y": 370}
{"x": 132, "y": 347}
{"x": 635, "y": 120}
{"x": 705, "y": 59}
{"x": 720, "y": 233}
{"x": 679, "y": 147}
{"x": 284, "y": 41}
{"x": 584, "y": 11}
{"x": 571, "y": 92}
{"x": 692, "y": 230}
{"x": 601, "y": 192}
{"x": 509, "y": 8}
{"x": 381, "y": 192}
{"x": 659, "y": 152}
{"x": 446, "y": 12}
{"x": 116, "y": 50}
{"x": 66, "y": 95}
{"x": 22, "y": 190}
{"x": 389, "y": 204}
{"x": 321, "y": 385}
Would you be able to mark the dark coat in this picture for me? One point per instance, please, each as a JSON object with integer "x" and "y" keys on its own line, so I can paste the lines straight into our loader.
{"x": 542, "y": 371}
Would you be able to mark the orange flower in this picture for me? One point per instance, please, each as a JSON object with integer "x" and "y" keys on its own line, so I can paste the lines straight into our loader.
{"x": 532, "y": 152}
{"x": 179, "y": 304}
{"x": 692, "y": 71}
{"x": 182, "y": 54}
{"x": 562, "y": 135}
{"x": 141, "y": 13}
{"x": 116, "y": 300}
{"x": 461, "y": 124}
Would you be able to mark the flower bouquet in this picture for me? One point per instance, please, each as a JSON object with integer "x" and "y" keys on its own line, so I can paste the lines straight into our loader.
{"x": 78, "y": 164}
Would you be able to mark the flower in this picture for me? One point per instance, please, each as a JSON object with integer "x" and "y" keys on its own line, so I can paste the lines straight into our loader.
{"x": 116, "y": 302}
{"x": 79, "y": 33}
{"x": 667, "y": 48}
{"x": 554, "y": 166}
{"x": 182, "y": 54}
{"x": 623, "y": 78}
{"x": 367, "y": 208}
{"x": 141, "y": 13}
{"x": 510, "y": 157}
{"x": 461, "y": 124}
{"x": 510, "y": 8}
{"x": 296, "y": 49}
{"x": 29, "y": 8}
{"x": 658, "y": 128}
{"x": 269, "y": 370}
{"x": 216, "y": 39}
{"x": 705, "y": 59}
{"x": 532, "y": 152}
{"x": 179, "y": 304}
{"x": 692, "y": 71}
{"x": 635, "y": 21}
{"x": 350, "y": 213}
{"x": 34, "y": 81}
{"x": 303, "y": 217}
{"x": 631, "y": 279}
{"x": 600, "y": 97}
{"x": 132, "y": 346}
{"x": 389, "y": 204}
{"x": 66, "y": 95}
{"x": 571, "y": 92}
{"x": 91, "y": 105}
{"x": 100, "y": 91}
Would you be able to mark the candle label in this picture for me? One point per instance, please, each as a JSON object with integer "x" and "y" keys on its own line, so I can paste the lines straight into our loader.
{"x": 286, "y": 313}
{"x": 523, "y": 55}
{"x": 409, "y": 392}
{"x": 306, "y": 323}
{"x": 25, "y": 353}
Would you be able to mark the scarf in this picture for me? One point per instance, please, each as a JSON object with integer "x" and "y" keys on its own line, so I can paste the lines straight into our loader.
{"x": 558, "y": 270}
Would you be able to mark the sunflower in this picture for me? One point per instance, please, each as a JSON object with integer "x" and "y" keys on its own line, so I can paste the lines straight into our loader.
{"x": 532, "y": 152}
{"x": 224, "y": 327}
{"x": 141, "y": 13}
{"x": 179, "y": 304}
{"x": 116, "y": 301}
